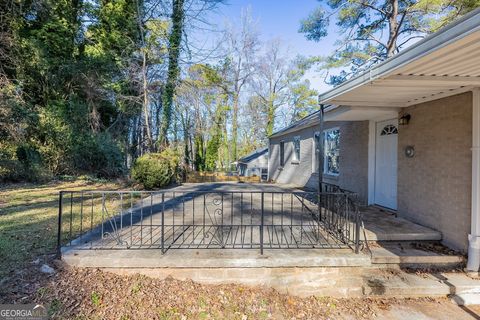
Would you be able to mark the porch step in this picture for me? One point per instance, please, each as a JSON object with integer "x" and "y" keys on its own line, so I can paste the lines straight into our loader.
{"x": 396, "y": 283}
{"x": 214, "y": 258}
{"x": 381, "y": 225}
{"x": 346, "y": 282}
{"x": 415, "y": 254}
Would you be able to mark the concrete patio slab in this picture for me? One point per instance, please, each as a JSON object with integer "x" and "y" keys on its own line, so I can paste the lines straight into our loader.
{"x": 235, "y": 186}
{"x": 213, "y": 216}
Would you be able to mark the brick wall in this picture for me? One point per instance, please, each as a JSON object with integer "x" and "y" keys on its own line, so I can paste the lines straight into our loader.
{"x": 353, "y": 158}
{"x": 434, "y": 187}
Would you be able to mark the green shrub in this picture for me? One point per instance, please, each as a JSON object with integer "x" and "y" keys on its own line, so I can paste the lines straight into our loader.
{"x": 66, "y": 150}
{"x": 22, "y": 163}
{"x": 156, "y": 170}
{"x": 98, "y": 155}
{"x": 53, "y": 136}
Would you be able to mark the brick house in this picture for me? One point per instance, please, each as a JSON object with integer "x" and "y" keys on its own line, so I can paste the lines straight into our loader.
{"x": 404, "y": 135}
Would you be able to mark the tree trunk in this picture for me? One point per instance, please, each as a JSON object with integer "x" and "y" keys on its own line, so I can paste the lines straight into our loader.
{"x": 270, "y": 118}
{"x": 146, "y": 101}
{"x": 175, "y": 40}
{"x": 235, "y": 126}
{"x": 393, "y": 29}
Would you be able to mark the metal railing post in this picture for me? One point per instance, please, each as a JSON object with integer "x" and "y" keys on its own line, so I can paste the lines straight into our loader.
{"x": 261, "y": 223}
{"x": 357, "y": 229}
{"x": 59, "y": 230}
{"x": 163, "y": 223}
{"x": 319, "y": 215}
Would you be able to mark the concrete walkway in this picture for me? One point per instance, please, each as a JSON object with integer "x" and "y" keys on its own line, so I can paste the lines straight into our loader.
{"x": 428, "y": 310}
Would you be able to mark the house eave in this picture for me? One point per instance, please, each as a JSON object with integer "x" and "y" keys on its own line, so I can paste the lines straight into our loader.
{"x": 463, "y": 34}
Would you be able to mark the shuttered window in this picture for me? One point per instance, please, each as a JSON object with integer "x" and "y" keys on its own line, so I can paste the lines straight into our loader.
{"x": 282, "y": 153}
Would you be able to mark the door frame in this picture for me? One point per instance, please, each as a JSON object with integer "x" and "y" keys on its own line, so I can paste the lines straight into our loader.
{"x": 372, "y": 147}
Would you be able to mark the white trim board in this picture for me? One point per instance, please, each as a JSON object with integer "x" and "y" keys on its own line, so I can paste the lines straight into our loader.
{"x": 473, "y": 263}
{"x": 371, "y": 161}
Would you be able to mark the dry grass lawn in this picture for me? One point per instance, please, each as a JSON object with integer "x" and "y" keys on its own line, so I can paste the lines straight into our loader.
{"x": 28, "y": 228}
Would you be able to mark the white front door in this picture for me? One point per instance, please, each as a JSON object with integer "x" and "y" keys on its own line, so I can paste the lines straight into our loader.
{"x": 386, "y": 163}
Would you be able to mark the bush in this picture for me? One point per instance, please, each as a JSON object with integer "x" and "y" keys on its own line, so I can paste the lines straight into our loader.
{"x": 22, "y": 163}
{"x": 156, "y": 170}
{"x": 98, "y": 155}
{"x": 68, "y": 150}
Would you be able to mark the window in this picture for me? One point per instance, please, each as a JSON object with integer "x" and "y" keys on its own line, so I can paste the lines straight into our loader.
{"x": 331, "y": 141}
{"x": 296, "y": 148}
{"x": 316, "y": 149}
{"x": 389, "y": 129}
{"x": 282, "y": 153}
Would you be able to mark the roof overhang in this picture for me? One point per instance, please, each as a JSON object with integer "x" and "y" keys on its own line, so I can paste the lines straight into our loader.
{"x": 441, "y": 65}
{"x": 349, "y": 113}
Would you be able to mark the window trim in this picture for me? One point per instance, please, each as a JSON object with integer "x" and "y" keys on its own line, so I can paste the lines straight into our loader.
{"x": 282, "y": 153}
{"x": 325, "y": 163}
{"x": 296, "y": 158}
{"x": 315, "y": 166}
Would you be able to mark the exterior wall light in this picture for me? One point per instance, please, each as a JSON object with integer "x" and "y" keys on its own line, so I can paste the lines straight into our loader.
{"x": 409, "y": 151}
{"x": 404, "y": 119}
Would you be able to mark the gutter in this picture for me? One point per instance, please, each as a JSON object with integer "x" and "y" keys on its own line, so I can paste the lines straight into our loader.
{"x": 464, "y": 26}
{"x": 295, "y": 127}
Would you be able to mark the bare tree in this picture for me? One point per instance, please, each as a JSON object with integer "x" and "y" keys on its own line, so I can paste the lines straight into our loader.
{"x": 241, "y": 48}
{"x": 271, "y": 81}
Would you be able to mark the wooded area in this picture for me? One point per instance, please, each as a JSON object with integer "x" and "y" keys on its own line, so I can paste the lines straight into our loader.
{"x": 88, "y": 87}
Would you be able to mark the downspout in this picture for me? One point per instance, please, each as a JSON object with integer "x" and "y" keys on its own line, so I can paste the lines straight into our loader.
{"x": 473, "y": 263}
{"x": 321, "y": 152}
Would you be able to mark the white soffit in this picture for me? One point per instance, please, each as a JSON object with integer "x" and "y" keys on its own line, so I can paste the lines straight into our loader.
{"x": 443, "y": 64}
{"x": 347, "y": 113}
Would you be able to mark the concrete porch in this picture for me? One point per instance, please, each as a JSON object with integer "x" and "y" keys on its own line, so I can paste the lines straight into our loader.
{"x": 321, "y": 270}
{"x": 393, "y": 241}
{"x": 383, "y": 225}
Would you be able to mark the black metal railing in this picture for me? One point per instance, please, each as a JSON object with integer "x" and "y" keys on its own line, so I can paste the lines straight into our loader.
{"x": 207, "y": 220}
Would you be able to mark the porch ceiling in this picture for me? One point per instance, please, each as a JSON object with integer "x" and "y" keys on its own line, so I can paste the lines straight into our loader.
{"x": 349, "y": 113}
{"x": 443, "y": 64}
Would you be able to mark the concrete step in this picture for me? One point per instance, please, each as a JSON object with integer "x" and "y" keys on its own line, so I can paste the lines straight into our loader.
{"x": 344, "y": 282}
{"x": 414, "y": 254}
{"x": 466, "y": 299}
{"x": 396, "y": 283}
{"x": 214, "y": 258}
{"x": 381, "y": 225}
